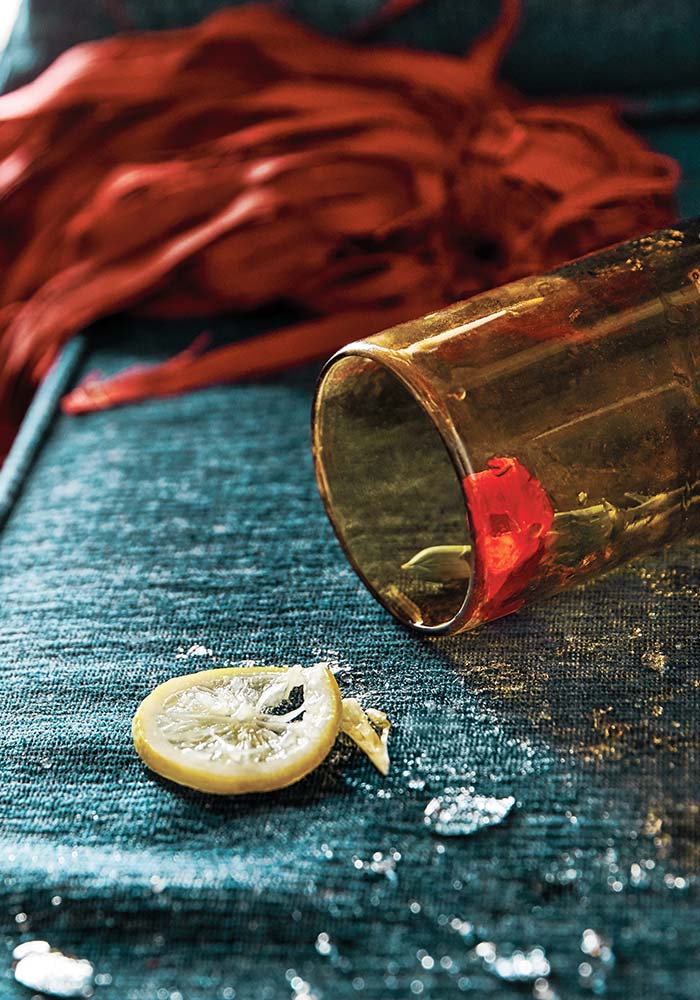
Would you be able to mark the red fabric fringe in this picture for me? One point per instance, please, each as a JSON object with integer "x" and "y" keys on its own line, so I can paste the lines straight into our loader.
{"x": 249, "y": 161}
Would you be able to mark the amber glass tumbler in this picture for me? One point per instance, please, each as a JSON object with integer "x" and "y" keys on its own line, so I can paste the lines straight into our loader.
{"x": 521, "y": 441}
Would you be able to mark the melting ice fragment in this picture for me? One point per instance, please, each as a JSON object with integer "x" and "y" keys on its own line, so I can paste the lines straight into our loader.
{"x": 30, "y": 948}
{"x": 518, "y": 966}
{"x": 51, "y": 972}
{"x": 459, "y": 813}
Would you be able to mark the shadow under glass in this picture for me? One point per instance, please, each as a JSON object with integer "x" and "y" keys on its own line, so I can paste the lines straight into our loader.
{"x": 392, "y": 492}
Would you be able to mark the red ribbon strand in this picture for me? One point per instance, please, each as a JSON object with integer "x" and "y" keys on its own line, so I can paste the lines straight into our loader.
{"x": 250, "y": 161}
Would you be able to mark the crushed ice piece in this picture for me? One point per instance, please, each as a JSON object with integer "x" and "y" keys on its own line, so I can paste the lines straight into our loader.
{"x": 458, "y": 814}
{"x": 30, "y": 948}
{"x": 517, "y": 967}
{"x": 380, "y": 864}
{"x": 329, "y": 658}
{"x": 51, "y": 972}
{"x": 323, "y": 944}
{"x": 199, "y": 650}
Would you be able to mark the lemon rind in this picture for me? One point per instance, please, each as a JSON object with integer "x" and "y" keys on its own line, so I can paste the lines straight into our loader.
{"x": 145, "y": 734}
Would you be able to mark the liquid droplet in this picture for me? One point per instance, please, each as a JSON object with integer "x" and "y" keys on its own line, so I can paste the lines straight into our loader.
{"x": 461, "y": 813}
{"x": 518, "y": 967}
{"x": 416, "y": 783}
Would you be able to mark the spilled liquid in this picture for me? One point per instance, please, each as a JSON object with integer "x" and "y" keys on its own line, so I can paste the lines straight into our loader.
{"x": 463, "y": 812}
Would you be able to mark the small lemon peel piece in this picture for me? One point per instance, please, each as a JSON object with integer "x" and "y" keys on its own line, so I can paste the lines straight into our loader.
{"x": 440, "y": 563}
{"x": 359, "y": 726}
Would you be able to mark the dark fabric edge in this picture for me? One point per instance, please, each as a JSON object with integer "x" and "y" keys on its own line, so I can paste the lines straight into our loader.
{"x": 37, "y": 421}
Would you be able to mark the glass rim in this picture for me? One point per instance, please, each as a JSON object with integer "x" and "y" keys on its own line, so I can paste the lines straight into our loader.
{"x": 434, "y": 410}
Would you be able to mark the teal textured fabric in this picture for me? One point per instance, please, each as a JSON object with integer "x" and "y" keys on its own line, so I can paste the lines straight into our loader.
{"x": 639, "y": 47}
{"x": 185, "y": 533}
{"x": 16, "y": 467}
{"x": 195, "y": 521}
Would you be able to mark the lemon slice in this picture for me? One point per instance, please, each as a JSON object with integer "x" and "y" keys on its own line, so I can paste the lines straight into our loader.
{"x": 217, "y": 730}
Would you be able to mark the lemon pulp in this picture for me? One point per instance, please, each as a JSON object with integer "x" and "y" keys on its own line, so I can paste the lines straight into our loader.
{"x": 218, "y": 731}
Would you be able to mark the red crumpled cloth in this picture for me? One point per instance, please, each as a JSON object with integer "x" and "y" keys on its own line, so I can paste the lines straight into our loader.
{"x": 250, "y": 160}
